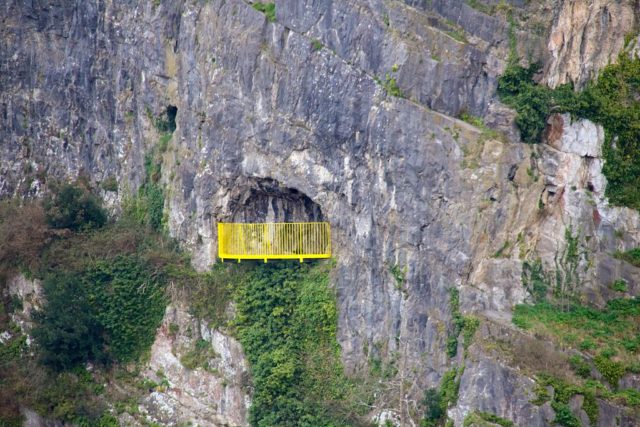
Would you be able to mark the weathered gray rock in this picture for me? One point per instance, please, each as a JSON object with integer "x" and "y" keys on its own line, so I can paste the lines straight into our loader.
{"x": 215, "y": 395}
{"x": 271, "y": 127}
{"x": 586, "y": 36}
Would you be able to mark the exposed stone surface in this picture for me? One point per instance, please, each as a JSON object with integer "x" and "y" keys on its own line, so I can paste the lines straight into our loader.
{"x": 586, "y": 36}
{"x": 271, "y": 126}
{"x": 215, "y": 395}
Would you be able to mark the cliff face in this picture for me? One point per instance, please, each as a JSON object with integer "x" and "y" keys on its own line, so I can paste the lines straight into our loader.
{"x": 294, "y": 120}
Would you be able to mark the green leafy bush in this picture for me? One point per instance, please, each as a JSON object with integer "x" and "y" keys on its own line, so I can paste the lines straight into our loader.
{"x": 436, "y": 401}
{"x": 147, "y": 208}
{"x": 166, "y": 122}
{"x": 107, "y": 312}
{"x": 269, "y": 10}
{"x": 286, "y": 323}
{"x": 390, "y": 85}
{"x": 74, "y": 207}
{"x": 481, "y": 418}
{"x": 619, "y": 286}
{"x": 67, "y": 330}
{"x": 580, "y": 366}
{"x": 535, "y": 280}
{"x": 564, "y": 416}
{"x": 467, "y": 325}
{"x": 611, "y": 370}
{"x": 199, "y": 356}
{"x": 432, "y": 401}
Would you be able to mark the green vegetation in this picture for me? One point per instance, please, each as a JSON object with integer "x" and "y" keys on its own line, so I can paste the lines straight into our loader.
{"x": 269, "y": 10}
{"x": 611, "y": 100}
{"x": 478, "y": 418}
{"x": 619, "y": 286}
{"x": 106, "y": 312}
{"x": 580, "y": 366}
{"x": 391, "y": 86}
{"x": 467, "y": 325}
{"x": 110, "y": 184}
{"x": 615, "y": 327}
{"x": 631, "y": 256}
{"x": 316, "y": 45}
{"x": 472, "y": 120}
{"x": 611, "y": 336}
{"x": 436, "y": 401}
{"x": 563, "y": 392}
{"x": 148, "y": 207}
{"x": 502, "y": 251}
{"x": 535, "y": 280}
{"x": 166, "y": 122}
{"x": 611, "y": 370}
{"x": 199, "y": 356}
{"x": 104, "y": 286}
{"x": 564, "y": 416}
{"x": 286, "y": 322}
{"x": 399, "y": 275}
{"x": 74, "y": 208}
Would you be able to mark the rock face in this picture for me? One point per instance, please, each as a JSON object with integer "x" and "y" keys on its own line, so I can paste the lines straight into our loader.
{"x": 291, "y": 120}
{"x": 586, "y": 36}
{"x": 216, "y": 394}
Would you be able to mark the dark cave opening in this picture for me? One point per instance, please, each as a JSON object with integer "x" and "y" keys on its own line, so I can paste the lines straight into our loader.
{"x": 266, "y": 200}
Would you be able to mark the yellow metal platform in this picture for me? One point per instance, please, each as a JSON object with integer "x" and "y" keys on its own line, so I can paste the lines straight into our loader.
{"x": 274, "y": 240}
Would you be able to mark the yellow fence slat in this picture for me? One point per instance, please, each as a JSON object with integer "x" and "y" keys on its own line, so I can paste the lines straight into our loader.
{"x": 282, "y": 240}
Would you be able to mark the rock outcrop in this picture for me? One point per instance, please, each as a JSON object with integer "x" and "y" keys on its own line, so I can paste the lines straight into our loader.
{"x": 586, "y": 36}
{"x": 294, "y": 119}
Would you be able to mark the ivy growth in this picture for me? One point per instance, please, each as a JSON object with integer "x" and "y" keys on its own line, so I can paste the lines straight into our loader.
{"x": 286, "y": 323}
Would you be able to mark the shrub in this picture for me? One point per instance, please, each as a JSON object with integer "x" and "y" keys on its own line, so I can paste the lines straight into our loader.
{"x": 564, "y": 416}
{"x": 269, "y": 10}
{"x": 199, "y": 356}
{"x": 73, "y": 207}
{"x": 390, "y": 85}
{"x": 535, "y": 280}
{"x": 432, "y": 401}
{"x": 110, "y": 184}
{"x": 316, "y": 45}
{"x": 436, "y": 401}
{"x": 631, "y": 256}
{"x": 166, "y": 122}
{"x": 107, "y": 312}
{"x": 67, "y": 330}
{"x": 482, "y": 418}
{"x": 23, "y": 236}
{"x": 580, "y": 366}
{"x": 612, "y": 371}
{"x": 457, "y": 320}
{"x": 619, "y": 286}
{"x": 612, "y": 328}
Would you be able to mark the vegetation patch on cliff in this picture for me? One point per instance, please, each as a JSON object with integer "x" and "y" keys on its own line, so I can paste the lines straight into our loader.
{"x": 104, "y": 288}
{"x": 611, "y": 100}
{"x": 467, "y": 325}
{"x": 436, "y": 401}
{"x": 287, "y": 323}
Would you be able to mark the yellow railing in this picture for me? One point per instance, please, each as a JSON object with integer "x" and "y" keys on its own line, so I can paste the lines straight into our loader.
{"x": 280, "y": 240}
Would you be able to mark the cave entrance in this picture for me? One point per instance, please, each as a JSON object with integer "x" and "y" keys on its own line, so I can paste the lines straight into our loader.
{"x": 266, "y": 200}
{"x": 270, "y": 221}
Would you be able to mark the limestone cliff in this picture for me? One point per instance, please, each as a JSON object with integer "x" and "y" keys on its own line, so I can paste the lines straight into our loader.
{"x": 294, "y": 119}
